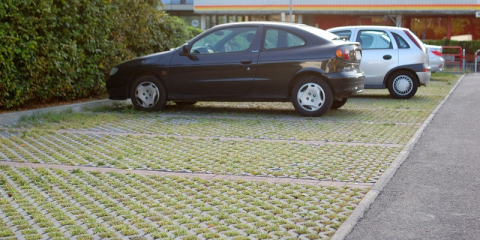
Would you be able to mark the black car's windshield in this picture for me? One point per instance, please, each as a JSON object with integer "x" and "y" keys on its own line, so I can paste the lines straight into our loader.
{"x": 234, "y": 39}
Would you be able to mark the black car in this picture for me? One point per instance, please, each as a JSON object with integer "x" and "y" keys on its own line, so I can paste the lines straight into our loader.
{"x": 247, "y": 61}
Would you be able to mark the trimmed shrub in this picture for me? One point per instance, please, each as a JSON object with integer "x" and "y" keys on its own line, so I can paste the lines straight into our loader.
{"x": 63, "y": 49}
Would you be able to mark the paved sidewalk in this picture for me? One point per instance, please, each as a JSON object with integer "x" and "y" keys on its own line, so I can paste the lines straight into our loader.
{"x": 435, "y": 194}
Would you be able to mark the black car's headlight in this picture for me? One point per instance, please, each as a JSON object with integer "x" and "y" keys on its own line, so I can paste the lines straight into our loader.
{"x": 113, "y": 71}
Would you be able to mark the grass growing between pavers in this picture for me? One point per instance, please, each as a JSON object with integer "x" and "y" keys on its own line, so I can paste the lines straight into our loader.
{"x": 335, "y": 162}
{"x": 363, "y": 130}
{"x": 92, "y": 204}
{"x": 355, "y": 143}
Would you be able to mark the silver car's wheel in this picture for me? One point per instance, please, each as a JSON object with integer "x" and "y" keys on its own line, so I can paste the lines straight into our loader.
{"x": 403, "y": 85}
{"x": 311, "y": 96}
{"x": 148, "y": 94}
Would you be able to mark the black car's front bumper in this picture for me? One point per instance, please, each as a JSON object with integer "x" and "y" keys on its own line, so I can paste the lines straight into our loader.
{"x": 117, "y": 87}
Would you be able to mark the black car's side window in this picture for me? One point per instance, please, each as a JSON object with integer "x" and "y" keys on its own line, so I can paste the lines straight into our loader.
{"x": 275, "y": 38}
{"x": 225, "y": 40}
{"x": 401, "y": 43}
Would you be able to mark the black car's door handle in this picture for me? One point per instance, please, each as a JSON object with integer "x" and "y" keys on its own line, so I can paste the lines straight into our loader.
{"x": 387, "y": 57}
{"x": 246, "y": 61}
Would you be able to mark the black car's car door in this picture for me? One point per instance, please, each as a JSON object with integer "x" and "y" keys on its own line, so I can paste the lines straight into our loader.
{"x": 281, "y": 57}
{"x": 220, "y": 64}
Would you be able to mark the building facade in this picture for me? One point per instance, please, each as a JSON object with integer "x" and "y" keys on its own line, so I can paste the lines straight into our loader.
{"x": 429, "y": 19}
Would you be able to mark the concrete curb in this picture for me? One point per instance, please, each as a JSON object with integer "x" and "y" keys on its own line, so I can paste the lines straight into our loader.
{"x": 14, "y": 117}
{"x": 364, "y": 205}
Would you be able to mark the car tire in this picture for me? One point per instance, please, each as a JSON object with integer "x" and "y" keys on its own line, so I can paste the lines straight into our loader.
{"x": 311, "y": 96}
{"x": 338, "y": 104}
{"x": 185, "y": 104}
{"x": 148, "y": 94}
{"x": 402, "y": 85}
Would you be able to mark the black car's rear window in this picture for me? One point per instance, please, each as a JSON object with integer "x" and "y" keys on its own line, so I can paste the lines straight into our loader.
{"x": 276, "y": 38}
{"x": 319, "y": 32}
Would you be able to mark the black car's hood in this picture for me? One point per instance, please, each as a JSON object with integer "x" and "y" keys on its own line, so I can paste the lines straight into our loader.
{"x": 160, "y": 58}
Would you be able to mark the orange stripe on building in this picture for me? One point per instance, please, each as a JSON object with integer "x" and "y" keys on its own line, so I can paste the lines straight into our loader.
{"x": 338, "y": 7}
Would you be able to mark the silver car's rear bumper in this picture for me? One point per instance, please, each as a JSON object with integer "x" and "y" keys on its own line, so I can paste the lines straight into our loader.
{"x": 424, "y": 77}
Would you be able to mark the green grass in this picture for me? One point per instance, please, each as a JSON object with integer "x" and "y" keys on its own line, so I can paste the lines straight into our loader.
{"x": 131, "y": 193}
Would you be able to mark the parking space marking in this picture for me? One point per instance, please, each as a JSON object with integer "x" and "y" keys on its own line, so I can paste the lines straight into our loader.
{"x": 191, "y": 175}
{"x": 323, "y": 142}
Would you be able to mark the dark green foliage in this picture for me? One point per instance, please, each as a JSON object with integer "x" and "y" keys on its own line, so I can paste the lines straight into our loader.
{"x": 63, "y": 49}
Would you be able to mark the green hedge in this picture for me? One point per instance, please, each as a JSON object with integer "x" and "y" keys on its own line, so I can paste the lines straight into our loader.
{"x": 63, "y": 49}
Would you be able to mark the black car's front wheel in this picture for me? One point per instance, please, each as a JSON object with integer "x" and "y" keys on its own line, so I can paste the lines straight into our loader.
{"x": 148, "y": 94}
{"x": 311, "y": 96}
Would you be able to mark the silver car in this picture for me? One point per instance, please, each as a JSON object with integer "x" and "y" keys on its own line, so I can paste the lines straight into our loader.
{"x": 392, "y": 58}
{"x": 437, "y": 62}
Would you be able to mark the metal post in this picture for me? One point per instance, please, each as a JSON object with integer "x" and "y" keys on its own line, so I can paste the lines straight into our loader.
{"x": 203, "y": 22}
{"x": 476, "y": 56}
{"x": 463, "y": 67}
{"x": 399, "y": 20}
{"x": 290, "y": 10}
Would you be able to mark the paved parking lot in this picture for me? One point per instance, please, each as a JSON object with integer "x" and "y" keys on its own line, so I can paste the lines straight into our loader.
{"x": 434, "y": 194}
{"x": 214, "y": 170}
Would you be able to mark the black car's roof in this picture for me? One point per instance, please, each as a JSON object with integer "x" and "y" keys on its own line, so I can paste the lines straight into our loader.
{"x": 267, "y": 23}
{"x": 300, "y": 26}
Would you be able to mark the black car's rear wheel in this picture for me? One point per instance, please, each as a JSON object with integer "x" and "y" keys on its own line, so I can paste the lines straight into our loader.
{"x": 338, "y": 104}
{"x": 311, "y": 96}
{"x": 148, "y": 94}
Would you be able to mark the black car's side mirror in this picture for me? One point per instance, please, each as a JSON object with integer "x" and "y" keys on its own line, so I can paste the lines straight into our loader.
{"x": 185, "y": 50}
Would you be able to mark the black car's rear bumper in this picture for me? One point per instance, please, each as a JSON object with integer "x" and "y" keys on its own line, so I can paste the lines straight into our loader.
{"x": 346, "y": 84}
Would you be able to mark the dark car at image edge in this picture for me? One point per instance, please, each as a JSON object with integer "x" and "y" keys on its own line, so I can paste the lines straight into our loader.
{"x": 247, "y": 61}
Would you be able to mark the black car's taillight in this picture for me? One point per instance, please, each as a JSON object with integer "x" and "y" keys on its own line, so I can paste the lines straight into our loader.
{"x": 343, "y": 53}
{"x": 349, "y": 53}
